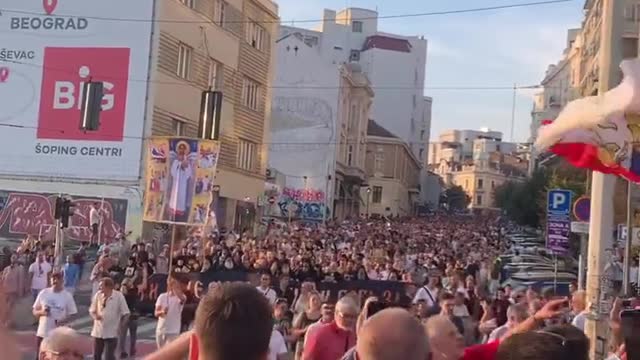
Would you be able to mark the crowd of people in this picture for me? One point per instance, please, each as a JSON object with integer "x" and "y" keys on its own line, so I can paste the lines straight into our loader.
{"x": 447, "y": 264}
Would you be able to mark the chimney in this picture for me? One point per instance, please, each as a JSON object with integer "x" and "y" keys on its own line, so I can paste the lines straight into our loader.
{"x": 329, "y": 15}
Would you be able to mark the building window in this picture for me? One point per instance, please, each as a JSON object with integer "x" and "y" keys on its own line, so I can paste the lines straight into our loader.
{"x": 256, "y": 36}
{"x": 421, "y": 154}
{"x": 350, "y": 155}
{"x": 421, "y": 134}
{"x": 378, "y": 163}
{"x": 356, "y": 26}
{"x": 630, "y": 12}
{"x": 493, "y": 184}
{"x": 376, "y": 197}
{"x": 218, "y": 16}
{"x": 354, "y": 56}
{"x": 250, "y": 94}
{"x": 178, "y": 127}
{"x": 246, "y": 155}
{"x": 185, "y": 53}
{"x": 479, "y": 200}
{"x": 189, "y": 3}
{"x": 352, "y": 117}
{"x": 215, "y": 75}
{"x": 480, "y": 183}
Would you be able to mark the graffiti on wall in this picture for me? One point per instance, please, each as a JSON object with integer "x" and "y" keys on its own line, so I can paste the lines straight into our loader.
{"x": 298, "y": 204}
{"x": 23, "y": 213}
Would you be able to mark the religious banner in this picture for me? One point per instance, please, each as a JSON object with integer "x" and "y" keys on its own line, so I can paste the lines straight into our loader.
{"x": 180, "y": 174}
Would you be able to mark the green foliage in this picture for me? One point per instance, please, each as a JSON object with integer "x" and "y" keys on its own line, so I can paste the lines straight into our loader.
{"x": 456, "y": 198}
{"x": 525, "y": 202}
{"x": 519, "y": 199}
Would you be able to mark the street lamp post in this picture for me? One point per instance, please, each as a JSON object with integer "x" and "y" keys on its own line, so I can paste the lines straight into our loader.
{"x": 368, "y": 199}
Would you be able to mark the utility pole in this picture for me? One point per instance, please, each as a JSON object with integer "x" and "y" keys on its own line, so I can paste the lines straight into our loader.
{"x": 603, "y": 188}
{"x": 626, "y": 283}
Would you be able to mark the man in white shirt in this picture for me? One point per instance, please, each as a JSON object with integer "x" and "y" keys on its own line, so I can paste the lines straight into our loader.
{"x": 39, "y": 273}
{"x": 265, "y": 288}
{"x": 277, "y": 347}
{"x": 107, "y": 309}
{"x": 94, "y": 223}
{"x": 429, "y": 292}
{"x": 52, "y": 307}
{"x": 579, "y": 309}
{"x": 169, "y": 311}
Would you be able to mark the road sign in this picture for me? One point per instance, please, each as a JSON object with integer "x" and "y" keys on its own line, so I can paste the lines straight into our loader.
{"x": 558, "y": 220}
{"x": 558, "y": 202}
{"x": 582, "y": 209}
{"x": 580, "y": 227}
{"x": 622, "y": 234}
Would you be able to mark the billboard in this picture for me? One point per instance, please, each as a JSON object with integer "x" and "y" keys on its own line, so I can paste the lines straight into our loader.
{"x": 51, "y": 48}
{"x": 180, "y": 176}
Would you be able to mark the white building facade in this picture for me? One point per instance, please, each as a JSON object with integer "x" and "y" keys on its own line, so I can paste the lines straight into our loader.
{"x": 394, "y": 64}
{"x": 319, "y": 125}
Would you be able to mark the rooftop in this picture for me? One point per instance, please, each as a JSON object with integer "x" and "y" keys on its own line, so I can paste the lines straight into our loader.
{"x": 387, "y": 43}
{"x": 375, "y": 129}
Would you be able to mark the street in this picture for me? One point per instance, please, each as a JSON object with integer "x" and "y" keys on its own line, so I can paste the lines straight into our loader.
{"x": 82, "y": 322}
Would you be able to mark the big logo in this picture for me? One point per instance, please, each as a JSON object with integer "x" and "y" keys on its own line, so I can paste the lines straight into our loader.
{"x": 49, "y": 22}
{"x": 65, "y": 71}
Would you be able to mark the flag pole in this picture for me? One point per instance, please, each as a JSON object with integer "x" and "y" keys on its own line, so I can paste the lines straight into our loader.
{"x": 602, "y": 187}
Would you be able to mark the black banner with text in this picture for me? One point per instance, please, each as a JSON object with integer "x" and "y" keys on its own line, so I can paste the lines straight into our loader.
{"x": 391, "y": 292}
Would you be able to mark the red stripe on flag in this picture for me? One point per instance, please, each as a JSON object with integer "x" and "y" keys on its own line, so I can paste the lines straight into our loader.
{"x": 586, "y": 156}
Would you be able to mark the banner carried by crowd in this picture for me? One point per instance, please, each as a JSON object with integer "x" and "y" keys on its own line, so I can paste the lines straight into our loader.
{"x": 180, "y": 175}
{"x": 390, "y": 292}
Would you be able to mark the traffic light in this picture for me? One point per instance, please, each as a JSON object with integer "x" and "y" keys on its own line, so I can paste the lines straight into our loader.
{"x": 57, "y": 212}
{"x": 67, "y": 212}
{"x": 92, "y": 95}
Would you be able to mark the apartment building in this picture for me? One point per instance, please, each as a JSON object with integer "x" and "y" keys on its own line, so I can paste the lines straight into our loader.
{"x": 230, "y": 50}
{"x": 395, "y": 65}
{"x": 319, "y": 129}
{"x": 591, "y": 30}
{"x": 479, "y": 179}
{"x": 393, "y": 174}
{"x": 560, "y": 84}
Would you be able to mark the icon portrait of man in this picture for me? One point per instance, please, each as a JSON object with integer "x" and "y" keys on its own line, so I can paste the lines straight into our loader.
{"x": 180, "y": 190}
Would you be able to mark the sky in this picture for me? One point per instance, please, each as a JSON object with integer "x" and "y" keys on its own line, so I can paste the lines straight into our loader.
{"x": 497, "y": 48}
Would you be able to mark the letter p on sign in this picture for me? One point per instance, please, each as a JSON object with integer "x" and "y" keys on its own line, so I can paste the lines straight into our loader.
{"x": 559, "y": 202}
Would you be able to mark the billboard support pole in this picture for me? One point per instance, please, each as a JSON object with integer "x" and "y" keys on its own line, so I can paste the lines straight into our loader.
{"x": 56, "y": 248}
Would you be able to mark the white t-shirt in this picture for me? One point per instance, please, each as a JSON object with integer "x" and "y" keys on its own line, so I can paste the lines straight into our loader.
{"x": 277, "y": 346}
{"x": 40, "y": 275}
{"x": 428, "y": 295}
{"x": 170, "y": 323}
{"x": 94, "y": 216}
{"x": 61, "y": 305}
{"x": 270, "y": 294}
{"x": 580, "y": 320}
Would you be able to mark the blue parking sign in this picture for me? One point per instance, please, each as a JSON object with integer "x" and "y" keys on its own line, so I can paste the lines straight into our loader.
{"x": 558, "y": 202}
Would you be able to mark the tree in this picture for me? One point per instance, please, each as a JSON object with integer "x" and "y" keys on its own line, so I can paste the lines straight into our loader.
{"x": 455, "y": 198}
{"x": 520, "y": 200}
